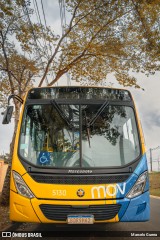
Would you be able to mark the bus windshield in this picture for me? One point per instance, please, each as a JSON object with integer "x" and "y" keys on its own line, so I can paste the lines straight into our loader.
{"x": 65, "y": 135}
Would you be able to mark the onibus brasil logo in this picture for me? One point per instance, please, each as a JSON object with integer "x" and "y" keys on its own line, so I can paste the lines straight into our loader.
{"x": 110, "y": 190}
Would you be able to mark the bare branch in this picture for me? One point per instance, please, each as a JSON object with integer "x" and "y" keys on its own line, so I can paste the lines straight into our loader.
{"x": 65, "y": 70}
{"x": 28, "y": 80}
{"x": 58, "y": 45}
{"x": 7, "y": 63}
{"x": 61, "y": 72}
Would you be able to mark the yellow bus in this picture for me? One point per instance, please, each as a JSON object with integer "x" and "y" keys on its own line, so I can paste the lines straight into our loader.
{"x": 79, "y": 157}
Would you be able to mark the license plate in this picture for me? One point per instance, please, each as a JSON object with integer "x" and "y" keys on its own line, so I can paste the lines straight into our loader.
{"x": 80, "y": 219}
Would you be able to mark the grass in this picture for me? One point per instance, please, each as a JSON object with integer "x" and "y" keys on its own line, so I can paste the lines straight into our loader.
{"x": 154, "y": 179}
{"x": 155, "y": 192}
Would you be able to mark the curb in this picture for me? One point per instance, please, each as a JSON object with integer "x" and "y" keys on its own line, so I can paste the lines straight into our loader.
{"x": 11, "y": 227}
{"x": 154, "y": 197}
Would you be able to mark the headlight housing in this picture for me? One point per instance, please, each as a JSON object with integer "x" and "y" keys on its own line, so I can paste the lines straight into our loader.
{"x": 139, "y": 186}
{"x": 21, "y": 186}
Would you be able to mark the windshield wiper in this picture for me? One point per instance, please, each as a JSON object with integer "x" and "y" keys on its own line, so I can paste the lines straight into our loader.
{"x": 100, "y": 110}
{"x": 88, "y": 125}
{"x": 88, "y": 130}
{"x": 61, "y": 113}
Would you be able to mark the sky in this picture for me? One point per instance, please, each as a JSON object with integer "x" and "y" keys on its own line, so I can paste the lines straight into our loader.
{"x": 147, "y": 101}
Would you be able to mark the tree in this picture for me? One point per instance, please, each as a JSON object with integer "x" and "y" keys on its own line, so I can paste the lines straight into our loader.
{"x": 109, "y": 36}
{"x": 101, "y": 37}
{"x": 19, "y": 62}
{"x": 16, "y": 79}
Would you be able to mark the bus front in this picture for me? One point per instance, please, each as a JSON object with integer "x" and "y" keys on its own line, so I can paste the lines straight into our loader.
{"x": 79, "y": 158}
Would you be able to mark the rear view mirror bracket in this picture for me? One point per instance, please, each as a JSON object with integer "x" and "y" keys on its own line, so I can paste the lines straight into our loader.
{"x": 16, "y": 97}
{"x": 8, "y": 112}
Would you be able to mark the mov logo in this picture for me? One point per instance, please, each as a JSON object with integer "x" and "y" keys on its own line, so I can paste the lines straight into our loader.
{"x": 110, "y": 190}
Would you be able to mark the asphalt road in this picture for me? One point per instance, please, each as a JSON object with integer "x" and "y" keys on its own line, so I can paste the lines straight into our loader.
{"x": 62, "y": 231}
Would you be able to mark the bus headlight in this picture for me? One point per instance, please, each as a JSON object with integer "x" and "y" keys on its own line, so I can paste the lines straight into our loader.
{"x": 21, "y": 186}
{"x": 139, "y": 186}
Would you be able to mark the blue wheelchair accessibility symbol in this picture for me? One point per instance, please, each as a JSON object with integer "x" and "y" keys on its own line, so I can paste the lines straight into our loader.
{"x": 44, "y": 158}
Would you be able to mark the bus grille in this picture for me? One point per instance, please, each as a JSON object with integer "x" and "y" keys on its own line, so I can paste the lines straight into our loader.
{"x": 79, "y": 179}
{"x": 100, "y": 212}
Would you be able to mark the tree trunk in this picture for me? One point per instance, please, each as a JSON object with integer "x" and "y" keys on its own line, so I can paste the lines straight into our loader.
{"x": 6, "y": 187}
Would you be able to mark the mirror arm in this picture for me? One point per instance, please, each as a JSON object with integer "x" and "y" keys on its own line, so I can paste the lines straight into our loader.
{"x": 16, "y": 97}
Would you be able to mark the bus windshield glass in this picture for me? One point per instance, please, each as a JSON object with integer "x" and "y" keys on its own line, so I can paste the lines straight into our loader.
{"x": 74, "y": 135}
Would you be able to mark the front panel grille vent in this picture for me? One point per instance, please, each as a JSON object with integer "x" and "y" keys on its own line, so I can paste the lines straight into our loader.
{"x": 79, "y": 179}
{"x": 59, "y": 213}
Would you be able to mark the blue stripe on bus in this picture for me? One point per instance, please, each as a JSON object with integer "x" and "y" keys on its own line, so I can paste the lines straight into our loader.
{"x": 142, "y": 166}
{"x": 138, "y": 208}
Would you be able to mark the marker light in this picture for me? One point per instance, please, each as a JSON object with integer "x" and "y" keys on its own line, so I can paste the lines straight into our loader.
{"x": 21, "y": 186}
{"x": 139, "y": 186}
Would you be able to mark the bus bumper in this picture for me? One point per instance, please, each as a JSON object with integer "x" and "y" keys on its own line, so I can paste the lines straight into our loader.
{"x": 138, "y": 209}
{"x": 21, "y": 209}
{"x": 26, "y": 210}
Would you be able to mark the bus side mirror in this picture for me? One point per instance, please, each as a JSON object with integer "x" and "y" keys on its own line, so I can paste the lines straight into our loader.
{"x": 7, "y": 115}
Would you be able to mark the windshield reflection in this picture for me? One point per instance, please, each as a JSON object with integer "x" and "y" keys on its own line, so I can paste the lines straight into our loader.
{"x": 55, "y": 135}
